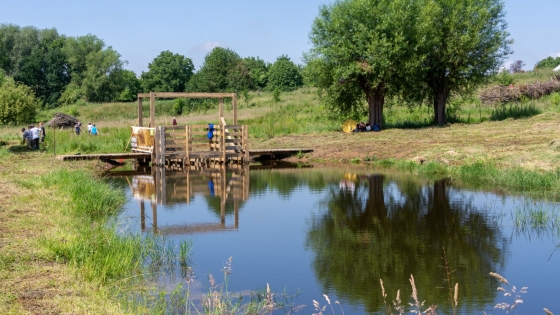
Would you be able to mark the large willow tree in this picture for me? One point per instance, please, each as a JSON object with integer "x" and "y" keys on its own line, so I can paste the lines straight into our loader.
{"x": 364, "y": 50}
{"x": 466, "y": 42}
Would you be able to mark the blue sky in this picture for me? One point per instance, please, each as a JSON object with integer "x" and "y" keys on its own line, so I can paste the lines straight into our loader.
{"x": 139, "y": 29}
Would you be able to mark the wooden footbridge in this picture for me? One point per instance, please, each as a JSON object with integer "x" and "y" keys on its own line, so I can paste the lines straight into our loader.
{"x": 212, "y": 143}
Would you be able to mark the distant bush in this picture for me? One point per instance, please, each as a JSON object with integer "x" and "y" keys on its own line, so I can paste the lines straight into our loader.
{"x": 178, "y": 106}
{"x": 548, "y": 63}
{"x": 17, "y": 103}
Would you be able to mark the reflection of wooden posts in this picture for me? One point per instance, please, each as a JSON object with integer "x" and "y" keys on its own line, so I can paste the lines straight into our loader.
{"x": 142, "y": 216}
{"x": 139, "y": 112}
{"x": 236, "y": 213}
{"x": 154, "y": 217}
{"x": 187, "y": 159}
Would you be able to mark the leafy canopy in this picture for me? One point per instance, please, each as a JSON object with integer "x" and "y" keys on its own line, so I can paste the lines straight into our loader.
{"x": 168, "y": 72}
{"x": 17, "y": 102}
{"x": 284, "y": 75}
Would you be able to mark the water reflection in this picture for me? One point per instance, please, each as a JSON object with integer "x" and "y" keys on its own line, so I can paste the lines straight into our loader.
{"x": 337, "y": 232}
{"x": 390, "y": 230}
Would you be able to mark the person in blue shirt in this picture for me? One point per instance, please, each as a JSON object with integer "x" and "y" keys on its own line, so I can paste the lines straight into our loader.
{"x": 94, "y": 130}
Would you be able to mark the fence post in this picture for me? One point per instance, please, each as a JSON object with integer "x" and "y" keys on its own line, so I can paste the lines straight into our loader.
{"x": 162, "y": 145}
{"x": 223, "y": 142}
{"x": 246, "y": 143}
{"x": 188, "y": 143}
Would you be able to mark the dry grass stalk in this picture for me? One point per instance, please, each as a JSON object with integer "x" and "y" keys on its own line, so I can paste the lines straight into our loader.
{"x": 504, "y": 94}
{"x": 499, "y": 278}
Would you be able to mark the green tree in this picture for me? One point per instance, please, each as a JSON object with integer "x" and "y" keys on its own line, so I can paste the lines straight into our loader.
{"x": 362, "y": 50}
{"x": 222, "y": 71}
{"x": 17, "y": 103}
{"x": 77, "y": 49}
{"x": 548, "y": 62}
{"x": 168, "y": 72}
{"x": 102, "y": 81}
{"x": 132, "y": 86}
{"x": 284, "y": 75}
{"x": 258, "y": 70}
{"x": 466, "y": 42}
{"x": 45, "y": 69}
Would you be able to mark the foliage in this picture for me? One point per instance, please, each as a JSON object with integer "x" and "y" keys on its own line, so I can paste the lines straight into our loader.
{"x": 44, "y": 70}
{"x": 222, "y": 71}
{"x": 361, "y": 51}
{"x": 17, "y": 103}
{"x": 178, "y": 105}
{"x": 276, "y": 95}
{"x": 548, "y": 62}
{"x": 131, "y": 85}
{"x": 103, "y": 78}
{"x": 71, "y": 94}
{"x": 465, "y": 41}
{"x": 168, "y": 72}
{"x": 283, "y": 74}
{"x": 504, "y": 78}
{"x": 258, "y": 70}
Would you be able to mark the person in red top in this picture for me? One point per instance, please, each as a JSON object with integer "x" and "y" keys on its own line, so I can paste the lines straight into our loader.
{"x": 174, "y": 121}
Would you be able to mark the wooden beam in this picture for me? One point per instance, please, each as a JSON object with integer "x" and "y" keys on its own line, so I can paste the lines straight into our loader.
{"x": 234, "y": 100}
{"x": 192, "y": 95}
{"x": 152, "y": 110}
{"x": 139, "y": 112}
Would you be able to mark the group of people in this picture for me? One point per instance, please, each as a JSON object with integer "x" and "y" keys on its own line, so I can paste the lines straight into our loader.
{"x": 366, "y": 127}
{"x": 91, "y": 129}
{"x": 32, "y": 136}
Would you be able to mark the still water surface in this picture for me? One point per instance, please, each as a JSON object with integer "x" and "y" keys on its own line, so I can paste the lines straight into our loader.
{"x": 339, "y": 231}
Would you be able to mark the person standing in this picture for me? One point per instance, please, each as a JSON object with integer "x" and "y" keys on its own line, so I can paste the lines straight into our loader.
{"x": 35, "y": 133}
{"x": 89, "y": 125}
{"x": 77, "y": 127}
{"x": 94, "y": 130}
{"x": 174, "y": 121}
{"x": 43, "y": 132}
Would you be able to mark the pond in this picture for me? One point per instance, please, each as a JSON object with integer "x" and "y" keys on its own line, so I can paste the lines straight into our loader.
{"x": 310, "y": 232}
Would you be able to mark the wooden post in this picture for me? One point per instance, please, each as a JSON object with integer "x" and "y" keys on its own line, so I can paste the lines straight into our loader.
{"x": 234, "y": 101}
{"x": 187, "y": 144}
{"x": 162, "y": 145}
{"x": 223, "y": 143}
{"x": 152, "y": 109}
{"x": 245, "y": 142}
{"x": 155, "y": 150}
{"x": 139, "y": 112}
{"x": 221, "y": 112}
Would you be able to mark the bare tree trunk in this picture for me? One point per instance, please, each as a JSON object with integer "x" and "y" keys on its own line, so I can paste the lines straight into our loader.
{"x": 440, "y": 100}
{"x": 376, "y": 98}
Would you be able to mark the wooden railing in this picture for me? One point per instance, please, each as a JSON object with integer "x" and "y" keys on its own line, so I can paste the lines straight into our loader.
{"x": 192, "y": 143}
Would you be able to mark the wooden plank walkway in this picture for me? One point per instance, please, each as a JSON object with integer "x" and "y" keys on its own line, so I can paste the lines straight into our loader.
{"x": 268, "y": 153}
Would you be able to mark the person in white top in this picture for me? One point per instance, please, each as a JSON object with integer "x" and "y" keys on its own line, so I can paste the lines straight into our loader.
{"x": 36, "y": 134}
{"x": 89, "y": 125}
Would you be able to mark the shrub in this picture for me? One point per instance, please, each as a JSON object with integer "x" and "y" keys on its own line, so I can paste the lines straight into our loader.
{"x": 17, "y": 103}
{"x": 178, "y": 106}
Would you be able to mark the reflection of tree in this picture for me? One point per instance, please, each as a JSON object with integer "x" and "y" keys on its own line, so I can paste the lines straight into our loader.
{"x": 393, "y": 231}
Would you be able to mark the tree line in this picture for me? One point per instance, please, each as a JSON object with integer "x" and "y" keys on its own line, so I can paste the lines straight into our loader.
{"x": 62, "y": 70}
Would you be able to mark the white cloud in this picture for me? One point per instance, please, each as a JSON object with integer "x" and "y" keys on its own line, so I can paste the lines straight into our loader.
{"x": 205, "y": 47}
{"x": 556, "y": 55}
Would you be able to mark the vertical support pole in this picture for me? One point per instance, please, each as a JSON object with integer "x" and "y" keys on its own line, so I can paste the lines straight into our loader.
{"x": 140, "y": 112}
{"x": 189, "y": 186}
{"x": 163, "y": 149}
{"x": 245, "y": 145}
{"x": 155, "y": 150}
{"x": 187, "y": 145}
{"x": 223, "y": 143}
{"x": 223, "y": 194}
{"x": 221, "y": 109}
{"x": 234, "y": 101}
{"x": 152, "y": 109}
